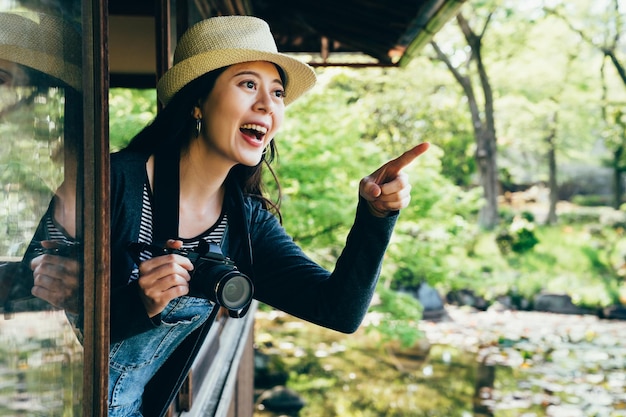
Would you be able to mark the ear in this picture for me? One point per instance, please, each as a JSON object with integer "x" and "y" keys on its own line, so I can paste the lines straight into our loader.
{"x": 196, "y": 113}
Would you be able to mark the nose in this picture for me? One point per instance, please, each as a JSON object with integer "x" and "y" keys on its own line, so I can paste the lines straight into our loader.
{"x": 265, "y": 102}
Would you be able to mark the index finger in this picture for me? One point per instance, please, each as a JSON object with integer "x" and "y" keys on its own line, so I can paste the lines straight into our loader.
{"x": 407, "y": 157}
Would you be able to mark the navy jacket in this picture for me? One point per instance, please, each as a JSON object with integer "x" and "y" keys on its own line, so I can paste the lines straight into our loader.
{"x": 284, "y": 277}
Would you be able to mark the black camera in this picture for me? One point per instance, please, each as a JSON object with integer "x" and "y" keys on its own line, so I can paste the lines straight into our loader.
{"x": 214, "y": 276}
{"x": 62, "y": 248}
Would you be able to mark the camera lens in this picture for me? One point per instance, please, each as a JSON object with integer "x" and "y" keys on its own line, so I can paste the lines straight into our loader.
{"x": 235, "y": 291}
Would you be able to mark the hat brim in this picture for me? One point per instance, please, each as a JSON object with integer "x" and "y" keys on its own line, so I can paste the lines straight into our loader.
{"x": 44, "y": 43}
{"x": 53, "y": 65}
{"x": 300, "y": 77}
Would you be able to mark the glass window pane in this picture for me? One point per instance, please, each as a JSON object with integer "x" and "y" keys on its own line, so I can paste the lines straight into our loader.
{"x": 41, "y": 352}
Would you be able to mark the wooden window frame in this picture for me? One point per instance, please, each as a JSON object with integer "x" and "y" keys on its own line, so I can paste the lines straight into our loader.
{"x": 94, "y": 207}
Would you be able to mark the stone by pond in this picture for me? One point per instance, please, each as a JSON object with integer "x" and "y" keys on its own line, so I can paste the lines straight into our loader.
{"x": 469, "y": 364}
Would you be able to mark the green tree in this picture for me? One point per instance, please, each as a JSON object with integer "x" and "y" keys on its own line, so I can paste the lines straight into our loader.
{"x": 415, "y": 104}
{"x": 599, "y": 25}
{"x": 344, "y": 130}
{"x": 468, "y": 72}
{"x": 129, "y": 111}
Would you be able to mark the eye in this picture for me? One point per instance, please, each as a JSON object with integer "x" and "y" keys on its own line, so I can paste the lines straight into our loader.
{"x": 280, "y": 93}
{"x": 249, "y": 84}
{"x": 5, "y": 77}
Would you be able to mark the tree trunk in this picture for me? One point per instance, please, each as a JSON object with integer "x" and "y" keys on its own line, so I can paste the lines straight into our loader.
{"x": 488, "y": 168}
{"x": 618, "y": 185}
{"x": 484, "y": 387}
{"x": 484, "y": 127}
{"x": 552, "y": 183}
{"x": 482, "y": 121}
{"x": 552, "y": 167}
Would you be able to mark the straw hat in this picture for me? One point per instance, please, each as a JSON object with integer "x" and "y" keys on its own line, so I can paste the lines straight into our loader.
{"x": 43, "y": 42}
{"x": 226, "y": 40}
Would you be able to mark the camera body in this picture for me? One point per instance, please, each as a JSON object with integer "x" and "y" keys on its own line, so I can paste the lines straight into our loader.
{"x": 214, "y": 277}
{"x": 65, "y": 249}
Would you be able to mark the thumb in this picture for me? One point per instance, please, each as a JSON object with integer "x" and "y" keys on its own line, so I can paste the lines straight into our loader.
{"x": 174, "y": 244}
{"x": 369, "y": 189}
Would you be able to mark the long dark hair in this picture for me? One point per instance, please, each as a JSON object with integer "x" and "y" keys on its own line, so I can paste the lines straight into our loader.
{"x": 173, "y": 127}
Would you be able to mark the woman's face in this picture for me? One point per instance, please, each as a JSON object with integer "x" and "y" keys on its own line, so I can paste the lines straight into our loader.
{"x": 243, "y": 112}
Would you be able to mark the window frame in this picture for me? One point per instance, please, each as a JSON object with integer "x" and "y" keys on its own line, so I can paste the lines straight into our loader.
{"x": 94, "y": 213}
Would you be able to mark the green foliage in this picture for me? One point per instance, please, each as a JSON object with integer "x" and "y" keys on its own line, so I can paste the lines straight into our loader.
{"x": 398, "y": 315}
{"x": 320, "y": 178}
{"x": 321, "y": 160}
{"x": 129, "y": 111}
{"x": 437, "y": 252}
{"x": 518, "y": 237}
{"x": 32, "y": 128}
{"x": 592, "y": 200}
{"x": 398, "y": 120}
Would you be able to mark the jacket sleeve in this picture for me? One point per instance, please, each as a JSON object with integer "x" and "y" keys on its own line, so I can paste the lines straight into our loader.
{"x": 289, "y": 280}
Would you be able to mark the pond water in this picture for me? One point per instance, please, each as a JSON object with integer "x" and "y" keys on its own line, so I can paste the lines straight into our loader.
{"x": 41, "y": 366}
{"x": 472, "y": 364}
{"x": 542, "y": 364}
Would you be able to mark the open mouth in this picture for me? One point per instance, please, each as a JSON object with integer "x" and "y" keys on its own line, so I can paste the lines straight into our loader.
{"x": 254, "y": 131}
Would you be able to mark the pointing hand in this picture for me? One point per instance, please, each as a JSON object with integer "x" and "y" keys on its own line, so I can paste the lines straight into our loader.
{"x": 387, "y": 189}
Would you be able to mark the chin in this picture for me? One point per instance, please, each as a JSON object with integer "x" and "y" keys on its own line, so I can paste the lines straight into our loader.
{"x": 251, "y": 162}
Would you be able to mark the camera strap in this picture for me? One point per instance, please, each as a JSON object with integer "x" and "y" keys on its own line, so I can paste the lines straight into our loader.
{"x": 166, "y": 195}
{"x": 162, "y": 389}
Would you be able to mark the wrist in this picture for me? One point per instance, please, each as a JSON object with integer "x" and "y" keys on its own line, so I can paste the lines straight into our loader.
{"x": 376, "y": 212}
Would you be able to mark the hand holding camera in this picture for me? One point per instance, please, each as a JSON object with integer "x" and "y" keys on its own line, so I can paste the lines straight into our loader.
{"x": 204, "y": 272}
{"x": 56, "y": 272}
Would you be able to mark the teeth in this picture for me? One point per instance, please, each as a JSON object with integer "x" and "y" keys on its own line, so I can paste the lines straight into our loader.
{"x": 254, "y": 127}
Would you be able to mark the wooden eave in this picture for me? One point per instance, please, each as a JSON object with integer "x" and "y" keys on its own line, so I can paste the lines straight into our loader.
{"x": 326, "y": 32}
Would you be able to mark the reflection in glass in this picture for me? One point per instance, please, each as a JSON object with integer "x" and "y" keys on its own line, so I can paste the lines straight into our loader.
{"x": 41, "y": 355}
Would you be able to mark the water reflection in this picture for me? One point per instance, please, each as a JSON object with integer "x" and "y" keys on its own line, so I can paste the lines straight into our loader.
{"x": 41, "y": 357}
{"x": 476, "y": 364}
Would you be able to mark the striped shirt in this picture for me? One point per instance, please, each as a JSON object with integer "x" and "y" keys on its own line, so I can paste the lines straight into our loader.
{"x": 214, "y": 234}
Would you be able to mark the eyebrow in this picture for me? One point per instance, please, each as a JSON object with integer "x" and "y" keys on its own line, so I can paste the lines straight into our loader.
{"x": 256, "y": 74}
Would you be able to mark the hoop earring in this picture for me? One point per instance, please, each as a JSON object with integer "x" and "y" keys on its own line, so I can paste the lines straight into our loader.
{"x": 198, "y": 126}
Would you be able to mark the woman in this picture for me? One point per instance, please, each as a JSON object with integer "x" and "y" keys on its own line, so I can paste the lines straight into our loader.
{"x": 193, "y": 176}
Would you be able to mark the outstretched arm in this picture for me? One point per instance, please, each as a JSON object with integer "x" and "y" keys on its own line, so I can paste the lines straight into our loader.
{"x": 288, "y": 280}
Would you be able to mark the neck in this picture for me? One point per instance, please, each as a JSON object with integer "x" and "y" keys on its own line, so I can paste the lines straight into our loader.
{"x": 202, "y": 177}
{"x": 65, "y": 207}
{"x": 202, "y": 173}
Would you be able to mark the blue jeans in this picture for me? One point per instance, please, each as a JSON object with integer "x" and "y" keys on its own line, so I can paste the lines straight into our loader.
{"x": 133, "y": 361}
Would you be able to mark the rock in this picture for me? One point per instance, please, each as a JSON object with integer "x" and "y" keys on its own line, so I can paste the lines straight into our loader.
{"x": 466, "y": 297}
{"x": 432, "y": 302}
{"x": 556, "y": 303}
{"x": 615, "y": 312}
{"x": 429, "y": 297}
{"x": 269, "y": 370}
{"x": 281, "y": 399}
